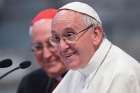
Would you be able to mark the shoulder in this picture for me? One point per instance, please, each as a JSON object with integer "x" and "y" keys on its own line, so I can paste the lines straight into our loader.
{"x": 119, "y": 65}
{"x": 39, "y": 73}
{"x": 35, "y": 77}
{"x": 33, "y": 82}
{"x": 121, "y": 62}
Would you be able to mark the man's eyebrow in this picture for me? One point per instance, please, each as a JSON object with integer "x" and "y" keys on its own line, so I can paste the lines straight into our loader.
{"x": 53, "y": 32}
{"x": 68, "y": 29}
{"x": 36, "y": 43}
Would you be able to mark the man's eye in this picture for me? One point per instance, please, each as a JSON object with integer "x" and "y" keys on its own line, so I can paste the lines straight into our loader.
{"x": 38, "y": 47}
{"x": 69, "y": 34}
{"x": 55, "y": 38}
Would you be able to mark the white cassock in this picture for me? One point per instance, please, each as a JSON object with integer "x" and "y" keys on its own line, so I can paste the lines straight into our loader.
{"x": 110, "y": 70}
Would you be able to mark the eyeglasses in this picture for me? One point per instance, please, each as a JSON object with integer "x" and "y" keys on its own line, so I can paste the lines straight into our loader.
{"x": 38, "y": 47}
{"x": 68, "y": 36}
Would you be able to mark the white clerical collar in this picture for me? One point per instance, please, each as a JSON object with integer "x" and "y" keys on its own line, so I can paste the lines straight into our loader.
{"x": 97, "y": 59}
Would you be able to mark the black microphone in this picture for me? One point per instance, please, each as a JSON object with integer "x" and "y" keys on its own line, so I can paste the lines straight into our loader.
{"x": 22, "y": 65}
{"x": 5, "y": 63}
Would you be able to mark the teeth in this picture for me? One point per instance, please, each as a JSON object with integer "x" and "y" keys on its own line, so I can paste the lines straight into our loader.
{"x": 68, "y": 53}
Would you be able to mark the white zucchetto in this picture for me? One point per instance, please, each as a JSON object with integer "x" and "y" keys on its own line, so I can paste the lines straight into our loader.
{"x": 81, "y": 8}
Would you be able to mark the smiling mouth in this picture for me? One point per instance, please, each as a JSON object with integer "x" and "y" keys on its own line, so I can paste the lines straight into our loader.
{"x": 52, "y": 60}
{"x": 67, "y": 55}
{"x": 51, "y": 63}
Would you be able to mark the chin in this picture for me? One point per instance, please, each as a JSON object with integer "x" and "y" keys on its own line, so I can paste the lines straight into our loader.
{"x": 51, "y": 73}
{"x": 73, "y": 65}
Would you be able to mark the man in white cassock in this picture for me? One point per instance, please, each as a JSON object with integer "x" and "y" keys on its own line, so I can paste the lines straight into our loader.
{"x": 96, "y": 65}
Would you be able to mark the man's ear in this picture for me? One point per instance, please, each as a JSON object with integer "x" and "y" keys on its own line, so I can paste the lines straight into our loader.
{"x": 97, "y": 35}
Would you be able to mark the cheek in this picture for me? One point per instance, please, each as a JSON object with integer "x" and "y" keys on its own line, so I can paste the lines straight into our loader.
{"x": 85, "y": 50}
{"x": 39, "y": 59}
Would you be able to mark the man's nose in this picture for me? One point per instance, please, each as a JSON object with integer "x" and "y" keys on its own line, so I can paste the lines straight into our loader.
{"x": 63, "y": 44}
{"x": 46, "y": 53}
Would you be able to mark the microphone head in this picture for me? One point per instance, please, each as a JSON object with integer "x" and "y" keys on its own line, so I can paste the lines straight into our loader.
{"x": 5, "y": 63}
{"x": 24, "y": 64}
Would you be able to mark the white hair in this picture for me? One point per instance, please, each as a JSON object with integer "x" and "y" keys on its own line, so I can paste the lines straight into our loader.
{"x": 88, "y": 20}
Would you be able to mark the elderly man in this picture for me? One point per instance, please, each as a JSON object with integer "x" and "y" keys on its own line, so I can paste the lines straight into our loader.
{"x": 52, "y": 69}
{"x": 98, "y": 66}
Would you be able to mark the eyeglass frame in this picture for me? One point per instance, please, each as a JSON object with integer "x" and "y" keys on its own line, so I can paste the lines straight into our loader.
{"x": 38, "y": 48}
{"x": 66, "y": 38}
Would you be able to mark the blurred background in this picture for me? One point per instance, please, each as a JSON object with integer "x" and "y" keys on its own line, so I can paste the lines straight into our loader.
{"x": 120, "y": 21}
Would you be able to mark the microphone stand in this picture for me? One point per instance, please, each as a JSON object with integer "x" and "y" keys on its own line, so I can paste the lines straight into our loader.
{"x": 22, "y": 65}
{"x": 9, "y": 72}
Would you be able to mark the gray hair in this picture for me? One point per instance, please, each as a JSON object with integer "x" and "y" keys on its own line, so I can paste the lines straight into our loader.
{"x": 90, "y": 20}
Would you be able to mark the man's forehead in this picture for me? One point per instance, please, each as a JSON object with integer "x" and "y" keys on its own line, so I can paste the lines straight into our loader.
{"x": 66, "y": 17}
{"x": 43, "y": 23}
